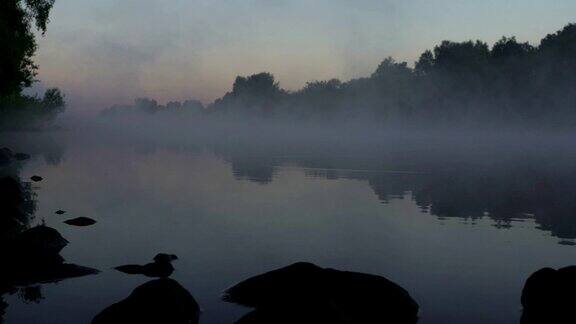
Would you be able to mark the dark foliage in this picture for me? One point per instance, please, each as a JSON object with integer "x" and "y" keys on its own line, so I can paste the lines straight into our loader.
{"x": 18, "y": 43}
{"x": 17, "y": 70}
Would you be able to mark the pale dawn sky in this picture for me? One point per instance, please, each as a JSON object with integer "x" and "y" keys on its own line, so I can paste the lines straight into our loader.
{"x": 111, "y": 51}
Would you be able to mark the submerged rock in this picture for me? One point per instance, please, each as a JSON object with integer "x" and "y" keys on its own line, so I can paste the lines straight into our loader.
{"x": 36, "y": 178}
{"x": 157, "y": 301}
{"x": 60, "y": 212}
{"x": 548, "y": 296}
{"x": 160, "y": 268}
{"x": 21, "y": 156}
{"x": 306, "y": 293}
{"x": 80, "y": 221}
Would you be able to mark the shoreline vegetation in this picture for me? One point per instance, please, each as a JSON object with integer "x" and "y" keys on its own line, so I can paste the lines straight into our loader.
{"x": 18, "y": 20}
{"x": 460, "y": 84}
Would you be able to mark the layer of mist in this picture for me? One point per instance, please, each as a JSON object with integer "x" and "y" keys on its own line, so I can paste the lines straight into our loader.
{"x": 457, "y": 85}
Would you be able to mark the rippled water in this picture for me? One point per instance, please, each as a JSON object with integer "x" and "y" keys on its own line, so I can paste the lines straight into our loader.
{"x": 459, "y": 227}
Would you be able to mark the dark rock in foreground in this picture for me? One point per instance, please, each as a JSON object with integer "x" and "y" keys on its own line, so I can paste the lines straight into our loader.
{"x": 158, "y": 301}
{"x": 306, "y": 293}
{"x": 160, "y": 268}
{"x": 33, "y": 256}
{"x": 36, "y": 178}
{"x": 548, "y": 296}
{"x": 80, "y": 221}
{"x": 38, "y": 244}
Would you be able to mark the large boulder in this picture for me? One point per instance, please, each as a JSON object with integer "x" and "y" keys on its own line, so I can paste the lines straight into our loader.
{"x": 158, "y": 301}
{"x": 306, "y": 293}
{"x": 38, "y": 244}
{"x": 548, "y": 296}
{"x": 33, "y": 257}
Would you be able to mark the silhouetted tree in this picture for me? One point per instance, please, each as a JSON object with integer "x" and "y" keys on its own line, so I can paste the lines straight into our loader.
{"x": 17, "y": 70}
{"x": 53, "y": 102}
{"x": 17, "y": 41}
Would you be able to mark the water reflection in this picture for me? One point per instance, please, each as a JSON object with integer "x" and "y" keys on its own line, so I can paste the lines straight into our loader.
{"x": 500, "y": 184}
{"x": 319, "y": 203}
{"x": 254, "y": 170}
{"x": 503, "y": 183}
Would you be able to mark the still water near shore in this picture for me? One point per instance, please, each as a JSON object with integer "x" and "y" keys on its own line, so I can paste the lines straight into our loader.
{"x": 460, "y": 228}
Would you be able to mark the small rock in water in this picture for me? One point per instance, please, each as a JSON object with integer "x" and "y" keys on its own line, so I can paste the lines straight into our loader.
{"x": 60, "y": 212}
{"x": 567, "y": 242}
{"x": 160, "y": 268}
{"x": 80, "y": 221}
{"x": 21, "y": 156}
{"x": 36, "y": 178}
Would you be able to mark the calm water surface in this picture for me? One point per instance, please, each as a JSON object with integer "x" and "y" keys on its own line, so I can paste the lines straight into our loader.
{"x": 461, "y": 232}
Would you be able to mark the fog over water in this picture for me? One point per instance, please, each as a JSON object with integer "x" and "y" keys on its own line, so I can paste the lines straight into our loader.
{"x": 287, "y": 162}
{"x": 460, "y": 220}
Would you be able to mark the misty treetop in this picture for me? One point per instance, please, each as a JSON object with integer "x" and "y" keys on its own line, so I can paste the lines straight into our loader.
{"x": 150, "y": 106}
{"x": 468, "y": 83}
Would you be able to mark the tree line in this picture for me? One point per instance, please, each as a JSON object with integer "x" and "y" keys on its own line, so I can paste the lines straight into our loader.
{"x": 463, "y": 83}
{"x": 511, "y": 82}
